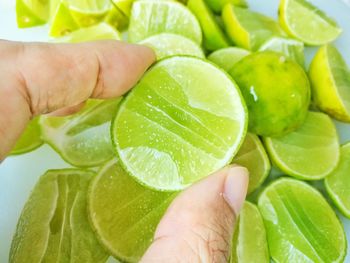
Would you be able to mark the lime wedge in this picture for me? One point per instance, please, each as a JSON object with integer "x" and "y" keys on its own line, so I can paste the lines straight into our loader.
{"x": 62, "y": 21}
{"x": 167, "y": 45}
{"x": 150, "y": 18}
{"x": 226, "y": 58}
{"x": 184, "y": 120}
{"x": 53, "y": 226}
{"x": 30, "y": 139}
{"x": 218, "y": 5}
{"x": 253, "y": 156}
{"x": 305, "y": 22}
{"x": 330, "y": 82}
{"x": 214, "y": 37}
{"x": 309, "y": 153}
{"x": 291, "y": 48}
{"x": 301, "y": 226}
{"x": 249, "y": 29}
{"x": 123, "y": 213}
{"x": 124, "y": 6}
{"x": 82, "y": 139}
{"x": 117, "y": 19}
{"x": 31, "y": 13}
{"x": 249, "y": 240}
{"x": 338, "y": 182}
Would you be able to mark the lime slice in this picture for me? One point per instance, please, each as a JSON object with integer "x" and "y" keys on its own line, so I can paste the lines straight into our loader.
{"x": 167, "y": 45}
{"x": 124, "y": 6}
{"x": 226, "y": 58}
{"x": 291, "y": 48}
{"x": 214, "y": 37}
{"x": 330, "y": 79}
{"x": 150, "y": 18}
{"x": 53, "y": 226}
{"x": 30, "y": 139}
{"x": 62, "y": 21}
{"x": 301, "y": 226}
{"x": 252, "y": 155}
{"x": 338, "y": 182}
{"x": 249, "y": 240}
{"x": 117, "y": 19}
{"x": 248, "y": 29}
{"x": 123, "y": 213}
{"x": 31, "y": 13}
{"x": 218, "y": 5}
{"x": 82, "y": 139}
{"x": 305, "y": 22}
{"x": 309, "y": 153}
{"x": 184, "y": 120}
{"x": 276, "y": 90}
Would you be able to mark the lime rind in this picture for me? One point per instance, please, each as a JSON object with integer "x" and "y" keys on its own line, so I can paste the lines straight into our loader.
{"x": 226, "y": 58}
{"x": 218, "y": 5}
{"x": 117, "y": 19}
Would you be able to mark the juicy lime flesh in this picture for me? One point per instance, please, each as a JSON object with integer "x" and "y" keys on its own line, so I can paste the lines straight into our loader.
{"x": 252, "y": 155}
{"x": 124, "y": 213}
{"x": 184, "y": 120}
{"x": 62, "y": 22}
{"x": 276, "y": 90}
{"x": 117, "y": 19}
{"x": 249, "y": 240}
{"x": 338, "y": 182}
{"x": 154, "y": 17}
{"x": 54, "y": 225}
{"x": 167, "y": 45}
{"x": 32, "y": 12}
{"x": 301, "y": 226}
{"x": 226, "y": 58}
{"x": 89, "y": 6}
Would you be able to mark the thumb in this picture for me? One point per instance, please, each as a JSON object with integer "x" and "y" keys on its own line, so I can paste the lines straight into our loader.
{"x": 198, "y": 225}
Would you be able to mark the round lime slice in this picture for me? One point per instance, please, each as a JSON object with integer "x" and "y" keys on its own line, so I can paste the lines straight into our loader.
{"x": 305, "y": 22}
{"x": 253, "y": 156}
{"x": 226, "y": 58}
{"x": 167, "y": 45}
{"x": 249, "y": 239}
{"x": 311, "y": 152}
{"x": 32, "y": 12}
{"x": 123, "y": 213}
{"x": 338, "y": 182}
{"x": 184, "y": 120}
{"x": 150, "y": 18}
{"x": 301, "y": 226}
{"x": 330, "y": 82}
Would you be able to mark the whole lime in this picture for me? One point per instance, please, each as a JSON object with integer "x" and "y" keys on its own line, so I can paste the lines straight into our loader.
{"x": 276, "y": 90}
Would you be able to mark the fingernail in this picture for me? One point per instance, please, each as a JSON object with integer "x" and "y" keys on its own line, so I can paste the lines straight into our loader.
{"x": 236, "y": 185}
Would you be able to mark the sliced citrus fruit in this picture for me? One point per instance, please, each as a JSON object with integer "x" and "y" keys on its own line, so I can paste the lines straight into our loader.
{"x": 338, "y": 182}
{"x": 149, "y": 18}
{"x": 311, "y": 152}
{"x": 184, "y": 120}
{"x": 253, "y": 156}
{"x": 249, "y": 239}
{"x": 116, "y": 18}
{"x": 54, "y": 226}
{"x": 330, "y": 82}
{"x": 218, "y": 5}
{"x": 226, "y": 58}
{"x": 62, "y": 21}
{"x": 305, "y": 22}
{"x": 124, "y": 6}
{"x": 82, "y": 139}
{"x": 31, "y": 13}
{"x": 301, "y": 226}
{"x": 249, "y": 29}
{"x": 167, "y": 45}
{"x": 123, "y": 213}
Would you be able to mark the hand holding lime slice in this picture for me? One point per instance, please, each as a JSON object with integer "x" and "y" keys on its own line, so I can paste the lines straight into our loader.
{"x": 32, "y": 12}
{"x": 226, "y": 58}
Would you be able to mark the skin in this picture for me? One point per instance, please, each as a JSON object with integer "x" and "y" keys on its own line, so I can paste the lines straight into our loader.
{"x": 58, "y": 78}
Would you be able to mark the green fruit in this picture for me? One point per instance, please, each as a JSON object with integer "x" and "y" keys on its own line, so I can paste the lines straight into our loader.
{"x": 226, "y": 58}
{"x": 218, "y": 5}
{"x": 31, "y": 13}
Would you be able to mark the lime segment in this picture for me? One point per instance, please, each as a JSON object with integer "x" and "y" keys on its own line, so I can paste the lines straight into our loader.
{"x": 32, "y": 12}
{"x": 226, "y": 58}
{"x": 62, "y": 21}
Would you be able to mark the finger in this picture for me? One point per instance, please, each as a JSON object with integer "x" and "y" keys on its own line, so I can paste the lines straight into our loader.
{"x": 198, "y": 225}
{"x": 67, "y": 111}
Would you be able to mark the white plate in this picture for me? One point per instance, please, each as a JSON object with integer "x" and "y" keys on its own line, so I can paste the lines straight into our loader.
{"x": 18, "y": 175}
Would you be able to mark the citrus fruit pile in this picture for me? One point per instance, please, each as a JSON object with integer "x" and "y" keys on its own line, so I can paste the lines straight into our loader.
{"x": 230, "y": 85}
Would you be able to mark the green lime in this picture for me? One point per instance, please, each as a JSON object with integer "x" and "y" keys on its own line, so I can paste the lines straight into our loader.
{"x": 305, "y": 22}
{"x": 123, "y": 213}
{"x": 30, "y": 138}
{"x": 214, "y": 37}
{"x": 167, "y": 45}
{"x": 330, "y": 82}
{"x": 338, "y": 182}
{"x": 309, "y": 153}
{"x": 153, "y": 17}
{"x": 31, "y": 13}
{"x": 62, "y": 21}
{"x": 249, "y": 239}
{"x": 276, "y": 90}
{"x": 54, "y": 226}
{"x": 116, "y": 18}
{"x": 248, "y": 29}
{"x": 218, "y": 5}
{"x": 226, "y": 58}
{"x": 82, "y": 139}
{"x": 184, "y": 120}
{"x": 124, "y": 6}
{"x": 301, "y": 226}
{"x": 253, "y": 156}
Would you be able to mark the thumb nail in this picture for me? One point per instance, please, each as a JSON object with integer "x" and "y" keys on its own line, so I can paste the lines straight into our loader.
{"x": 236, "y": 185}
